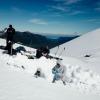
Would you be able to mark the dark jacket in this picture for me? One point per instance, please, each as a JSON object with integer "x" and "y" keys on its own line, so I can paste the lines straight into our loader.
{"x": 10, "y": 34}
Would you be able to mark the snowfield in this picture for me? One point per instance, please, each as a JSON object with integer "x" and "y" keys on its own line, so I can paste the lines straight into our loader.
{"x": 88, "y": 43}
{"x": 17, "y": 81}
{"x": 81, "y": 47}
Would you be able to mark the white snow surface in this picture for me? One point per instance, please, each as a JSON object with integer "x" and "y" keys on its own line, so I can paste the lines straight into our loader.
{"x": 87, "y": 44}
{"x": 17, "y": 81}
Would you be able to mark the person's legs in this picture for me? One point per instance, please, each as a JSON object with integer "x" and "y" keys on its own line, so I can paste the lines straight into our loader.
{"x": 63, "y": 80}
{"x": 9, "y": 47}
{"x": 54, "y": 78}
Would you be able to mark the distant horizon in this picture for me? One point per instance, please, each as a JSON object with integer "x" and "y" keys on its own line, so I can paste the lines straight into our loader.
{"x": 44, "y": 33}
{"x": 54, "y": 34}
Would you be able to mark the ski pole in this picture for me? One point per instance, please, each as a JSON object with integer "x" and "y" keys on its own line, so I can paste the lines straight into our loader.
{"x": 11, "y": 48}
{"x": 57, "y": 51}
{"x": 62, "y": 52}
{"x": 3, "y": 30}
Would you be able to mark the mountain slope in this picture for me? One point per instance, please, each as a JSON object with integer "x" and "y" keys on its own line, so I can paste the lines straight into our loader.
{"x": 18, "y": 83}
{"x": 86, "y": 48}
{"x": 37, "y": 40}
{"x": 82, "y": 45}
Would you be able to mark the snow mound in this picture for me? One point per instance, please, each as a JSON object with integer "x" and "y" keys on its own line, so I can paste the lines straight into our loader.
{"x": 76, "y": 75}
{"x": 21, "y": 62}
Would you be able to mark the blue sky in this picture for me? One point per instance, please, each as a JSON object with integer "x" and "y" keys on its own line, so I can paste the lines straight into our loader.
{"x": 51, "y": 16}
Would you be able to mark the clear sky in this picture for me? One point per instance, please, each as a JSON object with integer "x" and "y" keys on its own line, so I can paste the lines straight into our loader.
{"x": 51, "y": 16}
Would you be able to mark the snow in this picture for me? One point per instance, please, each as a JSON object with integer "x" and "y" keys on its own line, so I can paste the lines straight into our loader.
{"x": 17, "y": 81}
{"x": 87, "y": 44}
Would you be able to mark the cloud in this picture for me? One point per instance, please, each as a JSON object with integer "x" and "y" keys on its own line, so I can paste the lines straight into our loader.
{"x": 65, "y": 6}
{"x": 66, "y": 10}
{"x": 38, "y": 21}
{"x": 76, "y": 12}
{"x": 68, "y": 1}
{"x": 60, "y": 8}
{"x": 71, "y": 1}
{"x": 91, "y": 20}
{"x": 56, "y": 14}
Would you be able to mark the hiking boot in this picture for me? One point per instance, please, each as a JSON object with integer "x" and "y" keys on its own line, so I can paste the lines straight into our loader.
{"x": 64, "y": 82}
{"x": 53, "y": 81}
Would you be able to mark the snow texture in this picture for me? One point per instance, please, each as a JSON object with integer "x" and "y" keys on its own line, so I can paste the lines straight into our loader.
{"x": 86, "y": 48}
{"x": 17, "y": 81}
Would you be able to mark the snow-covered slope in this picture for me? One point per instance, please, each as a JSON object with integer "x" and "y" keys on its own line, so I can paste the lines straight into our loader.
{"x": 17, "y": 81}
{"x": 86, "y": 45}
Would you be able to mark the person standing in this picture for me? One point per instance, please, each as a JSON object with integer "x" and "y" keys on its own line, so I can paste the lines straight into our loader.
{"x": 10, "y": 39}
